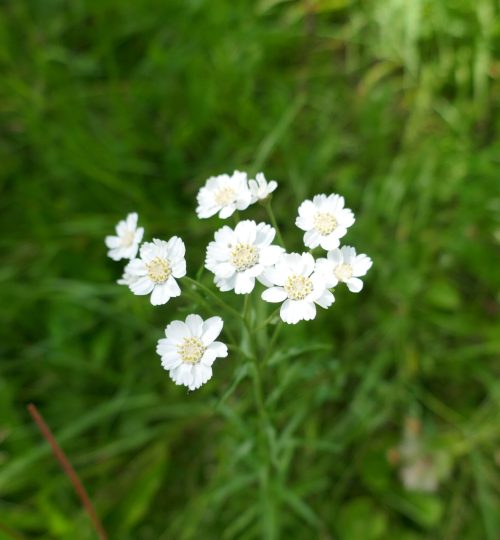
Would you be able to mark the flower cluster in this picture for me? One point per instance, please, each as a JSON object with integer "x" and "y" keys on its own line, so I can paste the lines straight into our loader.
{"x": 240, "y": 257}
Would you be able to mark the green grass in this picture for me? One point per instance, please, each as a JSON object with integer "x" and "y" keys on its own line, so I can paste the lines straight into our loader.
{"x": 108, "y": 107}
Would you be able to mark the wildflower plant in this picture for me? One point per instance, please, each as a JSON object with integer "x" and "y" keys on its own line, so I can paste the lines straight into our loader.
{"x": 247, "y": 259}
{"x": 239, "y": 257}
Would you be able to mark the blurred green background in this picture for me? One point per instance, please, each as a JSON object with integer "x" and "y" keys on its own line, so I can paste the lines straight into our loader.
{"x": 386, "y": 407}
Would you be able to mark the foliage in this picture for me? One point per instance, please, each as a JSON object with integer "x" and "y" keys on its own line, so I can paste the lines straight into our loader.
{"x": 110, "y": 106}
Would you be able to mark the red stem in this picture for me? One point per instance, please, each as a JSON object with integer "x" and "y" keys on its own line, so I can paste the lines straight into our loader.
{"x": 69, "y": 471}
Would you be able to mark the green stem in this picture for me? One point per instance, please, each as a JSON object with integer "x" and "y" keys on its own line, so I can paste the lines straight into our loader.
{"x": 267, "y": 321}
{"x": 265, "y": 426}
{"x": 272, "y": 217}
{"x": 214, "y": 297}
{"x": 198, "y": 298}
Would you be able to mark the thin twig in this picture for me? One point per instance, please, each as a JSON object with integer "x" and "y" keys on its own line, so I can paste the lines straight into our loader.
{"x": 69, "y": 471}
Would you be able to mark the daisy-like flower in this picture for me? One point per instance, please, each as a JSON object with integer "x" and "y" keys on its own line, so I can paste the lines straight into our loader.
{"x": 237, "y": 257}
{"x": 345, "y": 266}
{"x": 260, "y": 188}
{"x": 189, "y": 350}
{"x": 299, "y": 286}
{"x": 155, "y": 271}
{"x": 325, "y": 221}
{"x": 224, "y": 194}
{"x": 126, "y": 242}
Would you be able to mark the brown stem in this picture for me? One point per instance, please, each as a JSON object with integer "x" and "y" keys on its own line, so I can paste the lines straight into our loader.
{"x": 68, "y": 470}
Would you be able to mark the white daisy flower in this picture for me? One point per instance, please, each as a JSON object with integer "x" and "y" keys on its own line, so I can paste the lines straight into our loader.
{"x": 126, "y": 242}
{"x": 260, "y": 188}
{"x": 325, "y": 221}
{"x": 345, "y": 266}
{"x": 154, "y": 272}
{"x": 237, "y": 257}
{"x": 224, "y": 194}
{"x": 190, "y": 349}
{"x": 299, "y": 286}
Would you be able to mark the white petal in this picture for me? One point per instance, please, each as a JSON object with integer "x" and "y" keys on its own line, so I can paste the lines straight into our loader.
{"x": 173, "y": 288}
{"x": 348, "y": 254}
{"x": 225, "y": 284}
{"x": 166, "y": 347}
{"x": 361, "y": 265}
{"x": 307, "y": 310}
{"x": 160, "y": 294}
{"x": 112, "y": 241}
{"x": 330, "y": 241}
{"x": 354, "y": 284}
{"x": 312, "y": 238}
{"x": 345, "y": 218}
{"x": 270, "y": 255}
{"x": 244, "y": 284}
{"x": 223, "y": 270}
{"x": 172, "y": 361}
{"x": 214, "y": 350}
{"x": 227, "y": 211}
{"x": 246, "y": 231}
{"x": 176, "y": 248}
{"x": 290, "y": 312}
{"x": 132, "y": 220}
{"x": 308, "y": 264}
{"x": 264, "y": 235}
{"x": 195, "y": 324}
{"x": 307, "y": 211}
{"x": 211, "y": 329}
{"x": 176, "y": 331}
{"x": 325, "y": 300}
{"x": 141, "y": 286}
{"x": 274, "y": 294}
{"x": 179, "y": 268}
{"x": 336, "y": 257}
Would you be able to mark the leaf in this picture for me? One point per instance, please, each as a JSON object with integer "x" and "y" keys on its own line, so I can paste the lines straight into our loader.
{"x": 139, "y": 484}
{"x": 360, "y": 519}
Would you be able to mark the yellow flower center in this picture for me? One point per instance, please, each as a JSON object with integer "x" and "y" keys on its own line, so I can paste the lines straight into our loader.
{"x": 159, "y": 270}
{"x": 343, "y": 272}
{"x": 298, "y": 287}
{"x": 225, "y": 196}
{"x": 325, "y": 223}
{"x": 244, "y": 256}
{"x": 191, "y": 350}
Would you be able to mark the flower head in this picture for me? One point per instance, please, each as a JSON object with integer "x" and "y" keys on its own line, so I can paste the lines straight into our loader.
{"x": 224, "y": 194}
{"x": 126, "y": 242}
{"x": 299, "y": 286}
{"x": 190, "y": 349}
{"x": 155, "y": 271}
{"x": 325, "y": 221}
{"x": 345, "y": 266}
{"x": 237, "y": 257}
{"x": 260, "y": 188}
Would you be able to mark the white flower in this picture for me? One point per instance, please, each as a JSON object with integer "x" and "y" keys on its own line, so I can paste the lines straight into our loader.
{"x": 224, "y": 194}
{"x": 260, "y": 188}
{"x": 126, "y": 242}
{"x": 154, "y": 272}
{"x": 238, "y": 256}
{"x": 325, "y": 221}
{"x": 299, "y": 286}
{"x": 344, "y": 265}
{"x": 190, "y": 349}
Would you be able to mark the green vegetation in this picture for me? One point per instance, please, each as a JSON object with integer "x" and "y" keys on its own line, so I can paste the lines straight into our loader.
{"x": 109, "y": 106}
